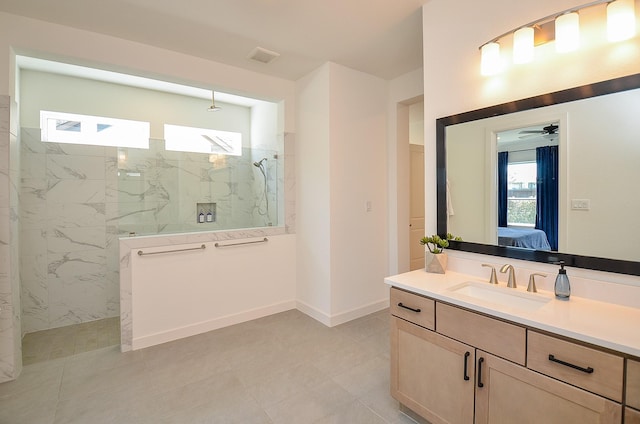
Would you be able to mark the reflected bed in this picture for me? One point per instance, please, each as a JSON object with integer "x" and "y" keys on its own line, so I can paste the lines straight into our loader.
{"x": 523, "y": 237}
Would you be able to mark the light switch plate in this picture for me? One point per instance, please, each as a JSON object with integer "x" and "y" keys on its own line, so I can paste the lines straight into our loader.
{"x": 580, "y": 204}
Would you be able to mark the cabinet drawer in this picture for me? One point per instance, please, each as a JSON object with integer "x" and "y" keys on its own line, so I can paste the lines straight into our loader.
{"x": 491, "y": 335}
{"x": 596, "y": 371}
{"x": 633, "y": 383}
{"x": 412, "y": 307}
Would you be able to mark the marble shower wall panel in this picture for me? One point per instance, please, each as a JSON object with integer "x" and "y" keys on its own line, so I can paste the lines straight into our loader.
{"x": 10, "y": 317}
{"x": 260, "y": 217}
{"x": 64, "y": 206}
{"x": 287, "y": 214}
{"x": 158, "y": 191}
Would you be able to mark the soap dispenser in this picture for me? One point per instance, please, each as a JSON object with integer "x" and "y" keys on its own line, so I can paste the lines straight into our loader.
{"x": 562, "y": 287}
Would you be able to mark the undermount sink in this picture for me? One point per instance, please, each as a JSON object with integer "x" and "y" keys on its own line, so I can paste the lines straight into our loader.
{"x": 504, "y": 296}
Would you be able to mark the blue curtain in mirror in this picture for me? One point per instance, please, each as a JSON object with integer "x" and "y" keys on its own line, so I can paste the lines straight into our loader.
{"x": 503, "y": 162}
{"x": 547, "y": 193}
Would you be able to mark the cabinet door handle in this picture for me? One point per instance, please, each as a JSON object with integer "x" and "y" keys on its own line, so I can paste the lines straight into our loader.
{"x": 409, "y": 308}
{"x": 466, "y": 362}
{"x": 480, "y": 383}
{"x": 587, "y": 370}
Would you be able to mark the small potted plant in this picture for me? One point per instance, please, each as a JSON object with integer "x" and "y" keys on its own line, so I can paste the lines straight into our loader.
{"x": 435, "y": 257}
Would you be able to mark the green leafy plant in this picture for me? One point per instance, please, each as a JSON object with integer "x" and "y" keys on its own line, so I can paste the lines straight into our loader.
{"x": 437, "y": 244}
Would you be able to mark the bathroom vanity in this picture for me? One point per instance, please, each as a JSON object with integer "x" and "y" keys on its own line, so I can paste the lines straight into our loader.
{"x": 465, "y": 351}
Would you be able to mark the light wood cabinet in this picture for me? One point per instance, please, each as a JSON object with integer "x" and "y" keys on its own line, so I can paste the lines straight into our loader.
{"x": 631, "y": 416}
{"x": 633, "y": 384}
{"x": 452, "y": 365}
{"x": 417, "y": 309}
{"x": 596, "y": 371}
{"x": 512, "y": 393}
{"x": 428, "y": 373}
{"x": 498, "y": 337}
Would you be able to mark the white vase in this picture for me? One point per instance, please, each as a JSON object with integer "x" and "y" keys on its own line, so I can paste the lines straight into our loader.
{"x": 435, "y": 263}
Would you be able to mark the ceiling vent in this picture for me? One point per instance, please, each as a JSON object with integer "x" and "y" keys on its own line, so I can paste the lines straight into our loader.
{"x": 263, "y": 55}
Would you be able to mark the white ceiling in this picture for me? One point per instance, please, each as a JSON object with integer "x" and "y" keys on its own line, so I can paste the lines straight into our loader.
{"x": 379, "y": 37}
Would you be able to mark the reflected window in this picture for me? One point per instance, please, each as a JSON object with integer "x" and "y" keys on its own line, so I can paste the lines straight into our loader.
{"x": 521, "y": 194}
{"x": 200, "y": 140}
{"x": 72, "y": 128}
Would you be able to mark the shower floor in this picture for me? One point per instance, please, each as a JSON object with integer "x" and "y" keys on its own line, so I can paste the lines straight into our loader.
{"x": 66, "y": 341}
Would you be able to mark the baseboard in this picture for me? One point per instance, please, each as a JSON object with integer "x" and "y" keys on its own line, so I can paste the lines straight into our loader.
{"x": 342, "y": 317}
{"x": 214, "y": 324}
{"x": 314, "y": 313}
{"x": 358, "y": 312}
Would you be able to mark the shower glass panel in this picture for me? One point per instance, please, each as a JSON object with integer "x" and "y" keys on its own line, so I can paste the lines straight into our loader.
{"x": 165, "y": 192}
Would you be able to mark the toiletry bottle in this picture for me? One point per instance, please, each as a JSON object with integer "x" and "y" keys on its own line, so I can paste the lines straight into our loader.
{"x": 562, "y": 287}
{"x": 201, "y": 217}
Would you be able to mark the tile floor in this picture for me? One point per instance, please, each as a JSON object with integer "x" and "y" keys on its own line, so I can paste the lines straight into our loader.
{"x": 285, "y": 368}
{"x": 66, "y": 341}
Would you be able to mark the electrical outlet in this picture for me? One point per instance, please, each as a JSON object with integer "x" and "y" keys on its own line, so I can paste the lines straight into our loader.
{"x": 580, "y": 204}
{"x": 367, "y": 206}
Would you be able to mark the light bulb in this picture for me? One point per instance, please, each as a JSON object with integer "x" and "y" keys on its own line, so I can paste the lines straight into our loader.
{"x": 621, "y": 20}
{"x": 490, "y": 59}
{"x": 523, "y": 45}
{"x": 567, "y": 32}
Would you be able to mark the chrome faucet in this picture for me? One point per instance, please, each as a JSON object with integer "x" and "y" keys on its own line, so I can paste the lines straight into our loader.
{"x": 493, "y": 279}
{"x": 512, "y": 275}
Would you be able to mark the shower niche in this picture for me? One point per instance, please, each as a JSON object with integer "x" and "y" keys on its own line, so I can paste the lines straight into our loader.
{"x": 205, "y": 213}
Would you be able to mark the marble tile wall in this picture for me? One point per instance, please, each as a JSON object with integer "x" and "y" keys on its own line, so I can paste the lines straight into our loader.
{"x": 63, "y": 234}
{"x": 77, "y": 200}
{"x": 157, "y": 191}
{"x": 10, "y": 317}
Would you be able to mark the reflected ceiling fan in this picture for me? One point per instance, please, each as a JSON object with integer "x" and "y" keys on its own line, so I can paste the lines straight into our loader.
{"x": 547, "y": 131}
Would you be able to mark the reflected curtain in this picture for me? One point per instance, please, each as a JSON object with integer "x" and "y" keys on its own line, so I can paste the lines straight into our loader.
{"x": 503, "y": 162}
{"x": 547, "y": 193}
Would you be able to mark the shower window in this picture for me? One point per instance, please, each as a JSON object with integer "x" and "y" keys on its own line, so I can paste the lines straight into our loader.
{"x": 200, "y": 140}
{"x": 73, "y": 128}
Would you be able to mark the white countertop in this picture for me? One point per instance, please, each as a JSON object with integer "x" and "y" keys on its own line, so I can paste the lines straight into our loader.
{"x": 603, "y": 324}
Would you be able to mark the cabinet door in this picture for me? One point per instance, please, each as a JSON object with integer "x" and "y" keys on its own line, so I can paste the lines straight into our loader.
{"x": 431, "y": 374}
{"x": 511, "y": 393}
{"x": 631, "y": 416}
{"x": 633, "y": 383}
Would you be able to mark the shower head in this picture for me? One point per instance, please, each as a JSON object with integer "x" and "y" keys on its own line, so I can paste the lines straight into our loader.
{"x": 258, "y": 164}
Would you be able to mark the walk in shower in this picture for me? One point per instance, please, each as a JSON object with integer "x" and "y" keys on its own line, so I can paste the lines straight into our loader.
{"x": 77, "y": 199}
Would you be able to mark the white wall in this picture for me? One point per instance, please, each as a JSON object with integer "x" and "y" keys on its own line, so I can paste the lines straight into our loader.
{"x": 313, "y": 186}
{"x": 341, "y": 142}
{"x": 177, "y": 295}
{"x": 60, "y": 93}
{"x": 416, "y": 123}
{"x": 358, "y": 171}
{"x": 403, "y": 91}
{"x": 50, "y": 41}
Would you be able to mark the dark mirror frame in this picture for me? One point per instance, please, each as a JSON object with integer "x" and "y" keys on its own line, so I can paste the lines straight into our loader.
{"x": 577, "y": 93}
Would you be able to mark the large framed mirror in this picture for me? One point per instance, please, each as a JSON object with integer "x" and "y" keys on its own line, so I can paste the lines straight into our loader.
{"x": 589, "y": 220}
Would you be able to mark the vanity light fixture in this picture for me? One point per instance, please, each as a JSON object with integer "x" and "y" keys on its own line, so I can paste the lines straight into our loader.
{"x": 213, "y": 107}
{"x": 564, "y": 28}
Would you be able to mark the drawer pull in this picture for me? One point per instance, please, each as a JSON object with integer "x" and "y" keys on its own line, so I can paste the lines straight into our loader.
{"x": 466, "y": 361}
{"x": 409, "y": 308}
{"x": 480, "y": 383}
{"x": 588, "y": 370}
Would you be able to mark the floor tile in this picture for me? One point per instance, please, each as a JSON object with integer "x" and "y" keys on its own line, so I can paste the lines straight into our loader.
{"x": 280, "y": 369}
